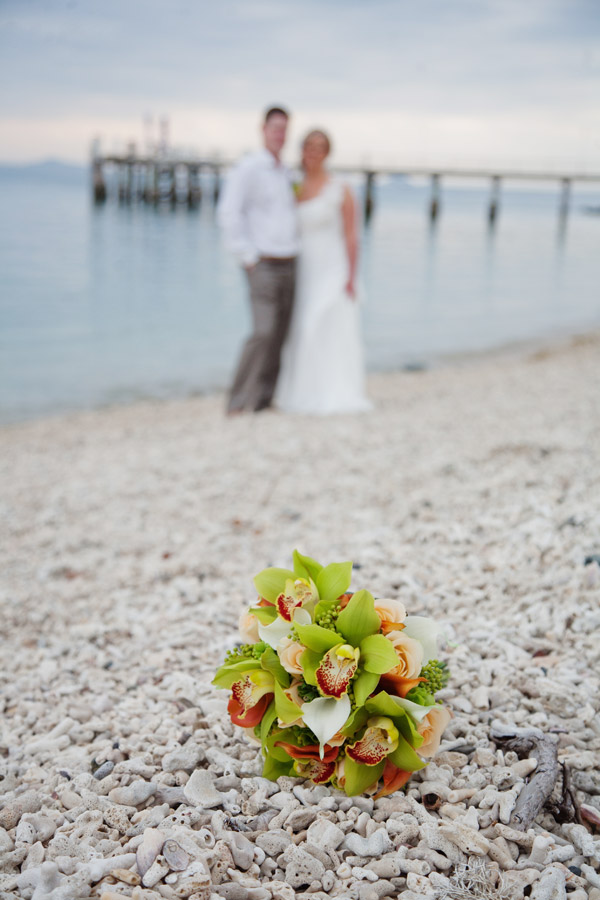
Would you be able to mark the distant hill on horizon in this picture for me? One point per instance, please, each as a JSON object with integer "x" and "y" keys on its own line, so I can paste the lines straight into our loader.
{"x": 50, "y": 170}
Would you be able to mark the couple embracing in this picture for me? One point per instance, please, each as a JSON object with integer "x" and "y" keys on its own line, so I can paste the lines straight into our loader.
{"x": 298, "y": 245}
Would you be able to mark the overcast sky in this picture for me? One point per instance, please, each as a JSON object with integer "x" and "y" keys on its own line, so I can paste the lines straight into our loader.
{"x": 488, "y": 82}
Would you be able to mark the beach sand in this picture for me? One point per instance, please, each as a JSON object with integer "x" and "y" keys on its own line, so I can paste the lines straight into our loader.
{"x": 130, "y": 535}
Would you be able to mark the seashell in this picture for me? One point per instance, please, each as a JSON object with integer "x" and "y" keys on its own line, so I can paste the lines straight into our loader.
{"x": 175, "y": 856}
{"x": 149, "y": 849}
{"x": 590, "y": 813}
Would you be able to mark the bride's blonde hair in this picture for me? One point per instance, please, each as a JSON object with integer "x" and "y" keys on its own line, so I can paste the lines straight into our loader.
{"x": 318, "y": 133}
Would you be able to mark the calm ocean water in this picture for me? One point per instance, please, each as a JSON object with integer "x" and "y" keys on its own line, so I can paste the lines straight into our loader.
{"x": 112, "y": 304}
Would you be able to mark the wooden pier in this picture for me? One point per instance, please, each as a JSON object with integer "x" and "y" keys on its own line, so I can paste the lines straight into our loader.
{"x": 162, "y": 180}
{"x": 495, "y": 179}
{"x": 153, "y": 180}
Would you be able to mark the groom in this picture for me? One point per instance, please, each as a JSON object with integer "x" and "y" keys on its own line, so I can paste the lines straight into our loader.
{"x": 258, "y": 215}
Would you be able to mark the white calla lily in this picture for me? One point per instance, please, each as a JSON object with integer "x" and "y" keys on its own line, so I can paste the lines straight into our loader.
{"x": 278, "y": 629}
{"x": 273, "y": 633}
{"x": 325, "y": 716}
{"x": 427, "y": 632}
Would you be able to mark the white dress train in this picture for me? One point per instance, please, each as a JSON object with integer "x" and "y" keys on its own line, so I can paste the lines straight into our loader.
{"x": 322, "y": 368}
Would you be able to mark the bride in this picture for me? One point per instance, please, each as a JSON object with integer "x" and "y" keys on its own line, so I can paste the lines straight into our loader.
{"x": 322, "y": 367}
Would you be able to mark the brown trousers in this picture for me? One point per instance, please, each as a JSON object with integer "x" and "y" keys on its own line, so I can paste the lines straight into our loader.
{"x": 271, "y": 284}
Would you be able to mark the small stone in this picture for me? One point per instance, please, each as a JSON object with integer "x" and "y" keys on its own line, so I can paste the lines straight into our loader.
{"x": 325, "y": 833}
{"x": 126, "y": 876}
{"x": 301, "y": 818}
{"x": 104, "y": 770}
{"x": 133, "y": 794}
{"x": 193, "y": 880}
{"x": 155, "y": 873}
{"x": 281, "y": 891}
{"x": 148, "y": 850}
{"x": 200, "y": 790}
{"x": 303, "y": 868}
{"x": 273, "y": 842}
{"x": 375, "y": 845}
{"x": 186, "y": 758}
{"x": 232, "y": 890}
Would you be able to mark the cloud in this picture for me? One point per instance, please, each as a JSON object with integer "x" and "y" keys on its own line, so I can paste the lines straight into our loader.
{"x": 481, "y": 72}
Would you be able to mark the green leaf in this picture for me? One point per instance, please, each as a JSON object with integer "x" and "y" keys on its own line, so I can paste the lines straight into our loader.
{"x": 270, "y": 583}
{"x": 359, "y": 777}
{"x": 279, "y": 753}
{"x": 274, "y": 768}
{"x": 266, "y": 722}
{"x": 317, "y": 638}
{"x": 264, "y": 614}
{"x": 270, "y": 663}
{"x": 382, "y": 704}
{"x": 305, "y": 567}
{"x": 377, "y": 654}
{"x": 310, "y": 662}
{"x": 408, "y": 730}
{"x": 334, "y": 580}
{"x": 358, "y": 619}
{"x": 287, "y": 711}
{"x": 364, "y": 685}
{"x": 228, "y": 675}
{"x": 356, "y": 721}
{"x": 405, "y": 757}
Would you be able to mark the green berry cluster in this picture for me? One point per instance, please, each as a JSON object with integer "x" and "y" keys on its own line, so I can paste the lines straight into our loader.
{"x": 245, "y": 651}
{"x": 436, "y": 675}
{"x": 308, "y": 692}
{"x": 302, "y": 736}
{"x": 328, "y": 618}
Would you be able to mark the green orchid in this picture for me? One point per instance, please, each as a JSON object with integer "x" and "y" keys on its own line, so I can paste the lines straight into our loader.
{"x": 332, "y": 659}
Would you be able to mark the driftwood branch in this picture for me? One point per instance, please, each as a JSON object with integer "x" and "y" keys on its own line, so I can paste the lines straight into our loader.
{"x": 535, "y": 793}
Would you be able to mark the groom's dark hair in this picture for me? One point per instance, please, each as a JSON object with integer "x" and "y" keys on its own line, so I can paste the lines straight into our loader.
{"x": 276, "y": 111}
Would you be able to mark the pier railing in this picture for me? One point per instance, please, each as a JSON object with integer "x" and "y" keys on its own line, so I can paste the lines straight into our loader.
{"x": 158, "y": 179}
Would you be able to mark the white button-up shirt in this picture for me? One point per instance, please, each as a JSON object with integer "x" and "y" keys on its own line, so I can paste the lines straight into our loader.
{"x": 257, "y": 210}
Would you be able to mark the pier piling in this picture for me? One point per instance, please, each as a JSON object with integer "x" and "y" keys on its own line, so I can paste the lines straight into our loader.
{"x": 494, "y": 201}
{"x": 434, "y": 207}
{"x": 369, "y": 200}
{"x": 565, "y": 199}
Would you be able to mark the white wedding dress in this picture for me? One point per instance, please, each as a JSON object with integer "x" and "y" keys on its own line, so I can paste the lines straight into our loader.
{"x": 322, "y": 367}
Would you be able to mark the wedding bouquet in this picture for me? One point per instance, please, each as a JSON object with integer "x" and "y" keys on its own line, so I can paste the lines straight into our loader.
{"x": 337, "y": 687}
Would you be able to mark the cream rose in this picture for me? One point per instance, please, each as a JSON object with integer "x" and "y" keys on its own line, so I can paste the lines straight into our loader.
{"x": 432, "y": 727}
{"x": 409, "y": 653}
{"x": 292, "y": 692}
{"x": 289, "y": 655}
{"x": 392, "y": 611}
{"x": 248, "y": 628}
